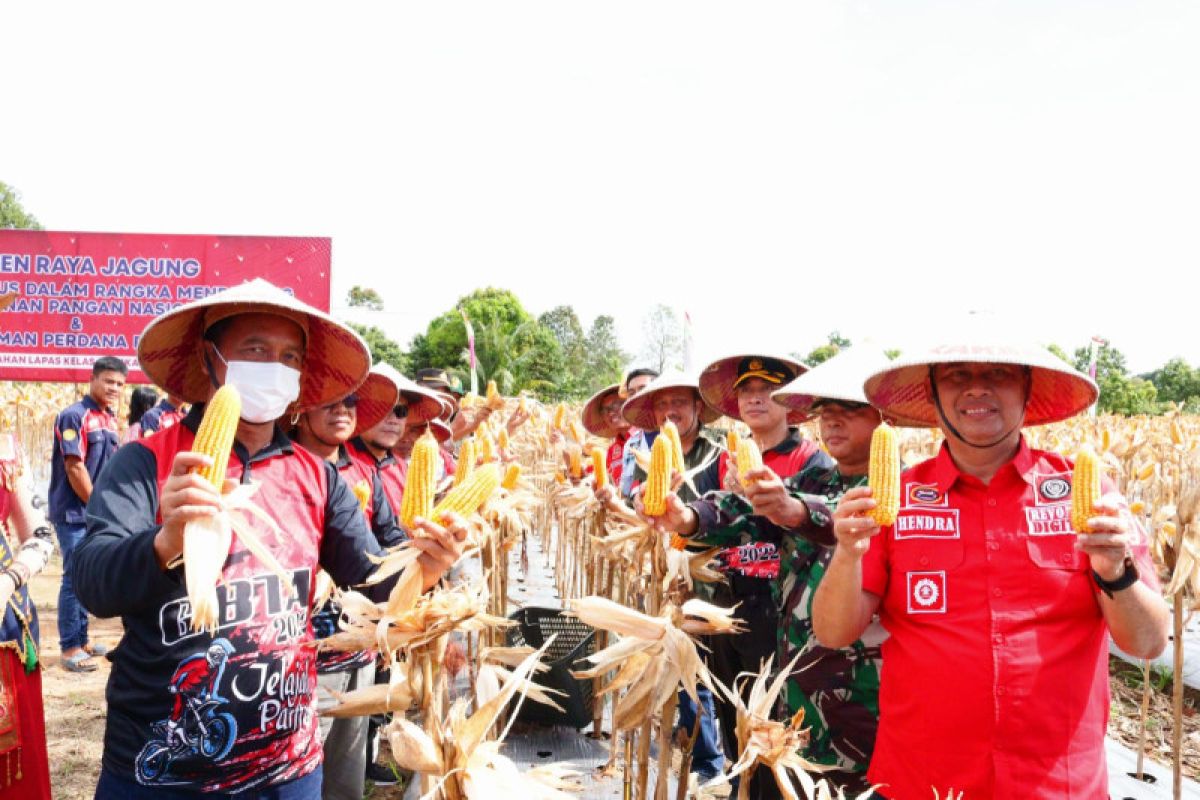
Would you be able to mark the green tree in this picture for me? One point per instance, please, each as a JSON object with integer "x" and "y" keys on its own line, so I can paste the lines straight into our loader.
{"x": 563, "y": 324}
{"x": 1177, "y": 382}
{"x": 363, "y": 297}
{"x": 383, "y": 349}
{"x": 12, "y": 213}
{"x": 834, "y": 344}
{"x": 605, "y": 359}
{"x": 1120, "y": 393}
{"x": 510, "y": 346}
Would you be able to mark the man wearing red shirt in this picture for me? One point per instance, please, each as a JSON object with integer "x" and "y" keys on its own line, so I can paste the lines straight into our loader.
{"x": 995, "y": 681}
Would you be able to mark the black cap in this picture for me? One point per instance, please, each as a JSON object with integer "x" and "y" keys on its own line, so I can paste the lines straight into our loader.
{"x": 770, "y": 370}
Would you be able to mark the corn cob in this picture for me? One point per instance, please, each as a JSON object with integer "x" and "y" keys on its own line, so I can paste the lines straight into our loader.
{"x": 494, "y": 400}
{"x": 466, "y": 498}
{"x": 523, "y": 404}
{"x": 511, "y": 476}
{"x": 559, "y": 478}
{"x": 749, "y": 458}
{"x": 362, "y": 492}
{"x": 487, "y": 448}
{"x": 206, "y": 540}
{"x": 599, "y": 469}
{"x": 502, "y": 439}
{"x": 731, "y": 441}
{"x": 884, "y": 474}
{"x": 577, "y": 431}
{"x": 672, "y": 433}
{"x": 658, "y": 478}
{"x": 1176, "y": 433}
{"x": 678, "y": 542}
{"x": 560, "y": 416}
{"x": 419, "y": 486}
{"x": 466, "y": 460}
{"x": 1085, "y": 489}
{"x": 575, "y": 462}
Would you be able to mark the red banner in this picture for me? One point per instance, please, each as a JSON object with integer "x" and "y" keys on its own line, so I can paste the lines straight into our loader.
{"x": 86, "y": 295}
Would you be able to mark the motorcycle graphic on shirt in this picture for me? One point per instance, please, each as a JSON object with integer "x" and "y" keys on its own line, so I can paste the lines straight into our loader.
{"x": 195, "y": 729}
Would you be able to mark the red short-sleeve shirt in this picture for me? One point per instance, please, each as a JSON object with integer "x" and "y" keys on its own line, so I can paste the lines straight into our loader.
{"x": 995, "y": 676}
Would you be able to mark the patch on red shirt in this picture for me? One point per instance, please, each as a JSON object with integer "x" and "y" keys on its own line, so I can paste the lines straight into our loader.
{"x": 1052, "y": 489}
{"x": 923, "y": 494}
{"x": 1046, "y": 520}
{"x": 926, "y": 523}
{"x": 926, "y": 592}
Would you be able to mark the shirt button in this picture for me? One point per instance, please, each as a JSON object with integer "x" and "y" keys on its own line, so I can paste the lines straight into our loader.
{"x": 992, "y": 502}
{"x": 924, "y": 561}
{"x": 998, "y": 638}
{"x": 1066, "y": 558}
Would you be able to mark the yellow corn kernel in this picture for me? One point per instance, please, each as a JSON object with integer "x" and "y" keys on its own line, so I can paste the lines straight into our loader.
{"x": 577, "y": 431}
{"x": 466, "y": 498}
{"x": 559, "y": 478}
{"x": 749, "y": 458}
{"x": 658, "y": 477}
{"x": 214, "y": 437}
{"x": 1145, "y": 472}
{"x": 672, "y": 434}
{"x": 420, "y": 484}
{"x": 206, "y": 540}
{"x": 731, "y": 442}
{"x": 678, "y": 542}
{"x": 362, "y": 492}
{"x": 1105, "y": 440}
{"x": 487, "y": 449}
{"x": 884, "y": 474}
{"x": 575, "y": 462}
{"x": 502, "y": 439}
{"x": 1085, "y": 489}
{"x": 466, "y": 460}
{"x": 599, "y": 469}
{"x": 495, "y": 400}
{"x": 511, "y": 476}
{"x": 1137, "y": 507}
{"x": 560, "y": 416}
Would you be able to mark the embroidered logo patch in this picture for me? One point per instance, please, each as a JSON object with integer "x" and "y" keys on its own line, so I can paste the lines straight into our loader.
{"x": 1049, "y": 520}
{"x": 1051, "y": 489}
{"x": 926, "y": 523}
{"x": 927, "y": 592}
{"x": 69, "y": 435}
{"x": 923, "y": 494}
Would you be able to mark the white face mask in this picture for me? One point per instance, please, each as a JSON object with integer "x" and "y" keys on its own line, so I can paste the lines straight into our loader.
{"x": 267, "y": 387}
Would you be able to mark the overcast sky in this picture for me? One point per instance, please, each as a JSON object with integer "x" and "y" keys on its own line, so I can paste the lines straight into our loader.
{"x": 777, "y": 170}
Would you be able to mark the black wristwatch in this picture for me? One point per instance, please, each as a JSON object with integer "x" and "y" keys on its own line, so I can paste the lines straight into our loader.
{"x": 1127, "y": 579}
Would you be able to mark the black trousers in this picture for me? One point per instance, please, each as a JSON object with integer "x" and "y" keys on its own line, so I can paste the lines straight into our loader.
{"x": 745, "y": 652}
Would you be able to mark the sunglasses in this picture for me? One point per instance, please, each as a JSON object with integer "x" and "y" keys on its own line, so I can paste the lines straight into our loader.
{"x": 351, "y": 401}
{"x": 400, "y": 411}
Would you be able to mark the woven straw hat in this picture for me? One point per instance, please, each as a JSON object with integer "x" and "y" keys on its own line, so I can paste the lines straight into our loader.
{"x": 441, "y": 431}
{"x": 839, "y": 378}
{"x": 594, "y": 418}
{"x": 639, "y": 409}
{"x": 720, "y": 379}
{"x": 423, "y": 404}
{"x": 170, "y": 352}
{"x": 1057, "y": 391}
{"x": 377, "y": 396}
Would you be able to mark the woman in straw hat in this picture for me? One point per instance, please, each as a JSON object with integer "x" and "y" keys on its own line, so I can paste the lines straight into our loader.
{"x": 837, "y": 690}
{"x": 998, "y": 611}
{"x": 261, "y": 672}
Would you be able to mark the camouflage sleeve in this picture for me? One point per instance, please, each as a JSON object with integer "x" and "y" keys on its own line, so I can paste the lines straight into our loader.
{"x": 726, "y": 519}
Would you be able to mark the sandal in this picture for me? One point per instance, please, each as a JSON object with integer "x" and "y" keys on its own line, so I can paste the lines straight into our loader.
{"x": 98, "y": 650}
{"x": 80, "y": 662}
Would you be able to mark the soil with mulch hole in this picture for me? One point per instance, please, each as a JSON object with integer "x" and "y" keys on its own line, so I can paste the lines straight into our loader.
{"x": 75, "y": 707}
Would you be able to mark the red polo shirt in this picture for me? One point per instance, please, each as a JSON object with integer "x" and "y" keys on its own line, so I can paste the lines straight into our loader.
{"x": 995, "y": 676}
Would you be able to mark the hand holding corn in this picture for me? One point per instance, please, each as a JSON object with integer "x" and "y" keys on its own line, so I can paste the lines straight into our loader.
{"x": 1108, "y": 537}
{"x": 441, "y": 546}
{"x": 853, "y": 526}
{"x": 185, "y": 496}
{"x": 770, "y": 498}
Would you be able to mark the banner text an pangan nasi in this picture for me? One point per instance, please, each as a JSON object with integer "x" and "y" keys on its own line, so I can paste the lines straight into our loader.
{"x": 86, "y": 295}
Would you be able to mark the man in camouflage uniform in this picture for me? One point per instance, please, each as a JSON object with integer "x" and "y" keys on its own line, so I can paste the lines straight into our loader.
{"x": 838, "y": 690}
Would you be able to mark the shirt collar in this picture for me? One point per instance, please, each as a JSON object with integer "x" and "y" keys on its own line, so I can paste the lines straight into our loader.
{"x": 343, "y": 457}
{"x": 789, "y": 443}
{"x": 361, "y": 447}
{"x": 279, "y": 443}
{"x": 90, "y": 404}
{"x": 945, "y": 472}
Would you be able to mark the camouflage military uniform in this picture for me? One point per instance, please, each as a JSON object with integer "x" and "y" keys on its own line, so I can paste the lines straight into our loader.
{"x": 837, "y": 689}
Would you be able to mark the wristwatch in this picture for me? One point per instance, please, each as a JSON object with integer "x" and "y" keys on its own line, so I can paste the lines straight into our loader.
{"x": 1127, "y": 579}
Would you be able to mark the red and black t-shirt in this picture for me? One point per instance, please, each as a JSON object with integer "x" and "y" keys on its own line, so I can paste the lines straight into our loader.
{"x": 260, "y": 713}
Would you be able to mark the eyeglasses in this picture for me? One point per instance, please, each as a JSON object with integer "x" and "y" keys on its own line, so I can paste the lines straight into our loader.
{"x": 400, "y": 411}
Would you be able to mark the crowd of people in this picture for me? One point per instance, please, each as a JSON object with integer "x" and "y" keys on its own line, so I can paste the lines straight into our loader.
{"x": 962, "y": 647}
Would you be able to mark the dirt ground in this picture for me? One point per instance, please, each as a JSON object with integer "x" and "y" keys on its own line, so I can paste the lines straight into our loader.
{"x": 75, "y": 707}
